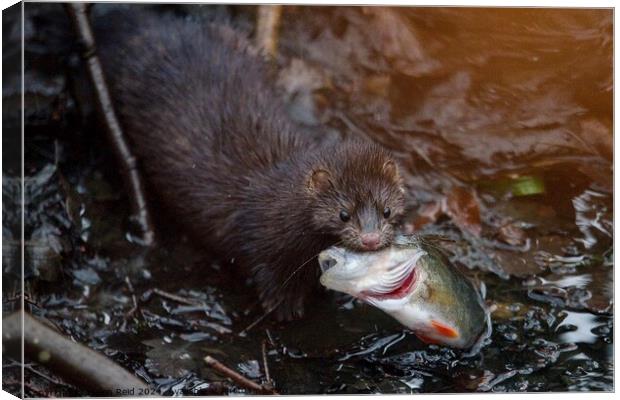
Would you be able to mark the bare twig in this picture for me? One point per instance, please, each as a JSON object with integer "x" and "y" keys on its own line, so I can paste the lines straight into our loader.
{"x": 267, "y": 24}
{"x": 177, "y": 298}
{"x": 265, "y": 364}
{"x": 44, "y": 376}
{"x": 26, "y": 385}
{"x": 134, "y": 300}
{"x": 237, "y": 378}
{"x": 13, "y": 299}
{"x": 133, "y": 181}
{"x": 269, "y": 337}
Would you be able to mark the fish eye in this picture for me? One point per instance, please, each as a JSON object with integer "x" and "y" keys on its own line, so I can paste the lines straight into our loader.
{"x": 387, "y": 212}
{"x": 344, "y": 216}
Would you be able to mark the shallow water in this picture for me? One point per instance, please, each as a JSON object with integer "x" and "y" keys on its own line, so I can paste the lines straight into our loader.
{"x": 502, "y": 122}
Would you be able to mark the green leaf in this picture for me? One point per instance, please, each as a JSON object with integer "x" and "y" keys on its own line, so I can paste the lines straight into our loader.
{"x": 527, "y": 186}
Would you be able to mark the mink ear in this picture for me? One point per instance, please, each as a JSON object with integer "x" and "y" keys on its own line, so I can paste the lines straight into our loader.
{"x": 390, "y": 170}
{"x": 320, "y": 180}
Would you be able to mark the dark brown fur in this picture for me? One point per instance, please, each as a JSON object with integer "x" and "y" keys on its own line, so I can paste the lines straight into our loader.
{"x": 214, "y": 140}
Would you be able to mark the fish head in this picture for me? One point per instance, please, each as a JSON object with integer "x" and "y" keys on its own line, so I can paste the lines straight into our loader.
{"x": 384, "y": 278}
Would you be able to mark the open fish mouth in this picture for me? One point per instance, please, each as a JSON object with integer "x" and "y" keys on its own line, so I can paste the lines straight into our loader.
{"x": 401, "y": 289}
{"x": 397, "y": 283}
{"x": 372, "y": 278}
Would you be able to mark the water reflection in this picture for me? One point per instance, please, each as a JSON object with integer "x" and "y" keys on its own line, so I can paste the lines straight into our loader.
{"x": 566, "y": 281}
{"x": 592, "y": 217}
{"x": 580, "y": 327}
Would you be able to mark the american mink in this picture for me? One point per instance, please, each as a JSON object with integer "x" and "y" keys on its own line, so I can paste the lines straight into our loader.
{"x": 212, "y": 136}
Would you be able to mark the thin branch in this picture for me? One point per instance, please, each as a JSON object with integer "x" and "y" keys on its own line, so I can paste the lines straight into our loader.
{"x": 269, "y": 337}
{"x": 44, "y": 376}
{"x": 17, "y": 297}
{"x": 26, "y": 385}
{"x": 265, "y": 364}
{"x": 237, "y": 378}
{"x": 133, "y": 181}
{"x": 177, "y": 298}
{"x": 134, "y": 300}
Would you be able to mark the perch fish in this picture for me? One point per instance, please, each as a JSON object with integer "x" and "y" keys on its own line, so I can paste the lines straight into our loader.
{"x": 414, "y": 282}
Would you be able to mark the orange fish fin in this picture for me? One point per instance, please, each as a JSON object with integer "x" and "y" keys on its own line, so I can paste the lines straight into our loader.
{"x": 444, "y": 330}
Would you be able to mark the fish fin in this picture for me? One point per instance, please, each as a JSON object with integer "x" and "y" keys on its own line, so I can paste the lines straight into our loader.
{"x": 444, "y": 330}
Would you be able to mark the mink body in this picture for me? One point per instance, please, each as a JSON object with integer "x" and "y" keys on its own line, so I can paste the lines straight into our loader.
{"x": 214, "y": 141}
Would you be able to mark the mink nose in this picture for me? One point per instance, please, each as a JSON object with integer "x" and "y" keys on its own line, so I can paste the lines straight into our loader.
{"x": 370, "y": 241}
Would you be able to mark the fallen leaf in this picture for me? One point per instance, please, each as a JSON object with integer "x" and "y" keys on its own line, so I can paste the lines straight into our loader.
{"x": 463, "y": 206}
{"x": 512, "y": 234}
{"x": 427, "y": 214}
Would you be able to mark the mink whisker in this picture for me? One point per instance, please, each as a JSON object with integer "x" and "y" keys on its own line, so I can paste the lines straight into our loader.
{"x": 302, "y": 265}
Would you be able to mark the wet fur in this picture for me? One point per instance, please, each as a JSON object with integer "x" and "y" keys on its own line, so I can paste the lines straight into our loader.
{"x": 214, "y": 141}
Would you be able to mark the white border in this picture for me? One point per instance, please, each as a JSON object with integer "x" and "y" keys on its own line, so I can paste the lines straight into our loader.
{"x": 480, "y": 3}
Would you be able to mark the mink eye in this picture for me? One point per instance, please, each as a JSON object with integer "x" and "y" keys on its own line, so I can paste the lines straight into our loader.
{"x": 344, "y": 216}
{"x": 387, "y": 212}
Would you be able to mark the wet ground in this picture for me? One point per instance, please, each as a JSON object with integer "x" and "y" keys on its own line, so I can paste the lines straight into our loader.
{"x": 502, "y": 122}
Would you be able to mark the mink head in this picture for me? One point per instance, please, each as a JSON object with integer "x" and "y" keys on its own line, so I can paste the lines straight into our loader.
{"x": 357, "y": 196}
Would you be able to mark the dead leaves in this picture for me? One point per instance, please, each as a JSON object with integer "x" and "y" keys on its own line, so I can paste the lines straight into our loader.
{"x": 461, "y": 205}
